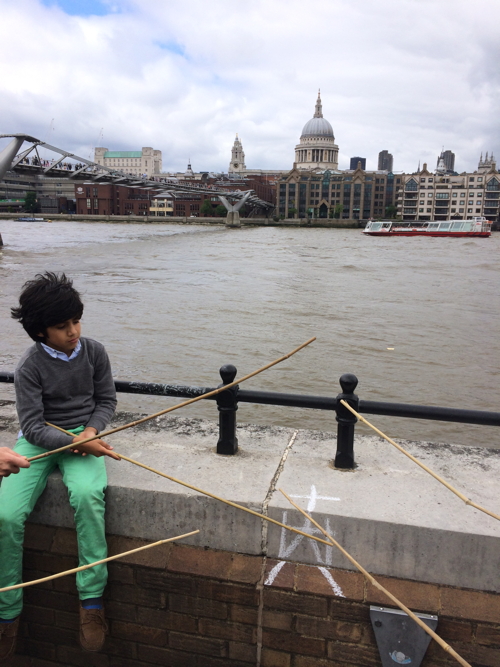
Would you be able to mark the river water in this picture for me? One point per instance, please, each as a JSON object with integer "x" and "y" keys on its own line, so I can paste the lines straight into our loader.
{"x": 172, "y": 303}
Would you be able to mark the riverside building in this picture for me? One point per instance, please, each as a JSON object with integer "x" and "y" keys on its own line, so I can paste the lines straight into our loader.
{"x": 442, "y": 196}
{"x": 145, "y": 162}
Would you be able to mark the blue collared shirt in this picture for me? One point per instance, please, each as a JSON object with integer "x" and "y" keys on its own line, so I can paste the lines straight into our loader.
{"x": 56, "y": 354}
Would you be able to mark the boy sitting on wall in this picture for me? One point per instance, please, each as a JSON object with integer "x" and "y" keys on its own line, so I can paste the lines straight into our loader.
{"x": 65, "y": 380}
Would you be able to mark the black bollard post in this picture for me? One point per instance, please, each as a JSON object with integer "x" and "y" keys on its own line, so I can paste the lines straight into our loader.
{"x": 344, "y": 458}
{"x": 227, "y": 404}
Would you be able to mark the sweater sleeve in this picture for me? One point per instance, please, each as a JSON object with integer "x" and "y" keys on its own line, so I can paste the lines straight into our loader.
{"x": 104, "y": 392}
{"x": 30, "y": 411}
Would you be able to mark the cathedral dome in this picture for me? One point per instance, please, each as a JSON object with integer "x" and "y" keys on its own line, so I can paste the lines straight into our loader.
{"x": 317, "y": 126}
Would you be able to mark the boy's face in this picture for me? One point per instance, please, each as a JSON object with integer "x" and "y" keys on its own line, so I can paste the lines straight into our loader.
{"x": 64, "y": 336}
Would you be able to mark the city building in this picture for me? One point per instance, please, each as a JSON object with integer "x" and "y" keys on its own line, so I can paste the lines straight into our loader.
{"x": 354, "y": 162}
{"x": 442, "y": 196}
{"x": 385, "y": 161}
{"x": 110, "y": 199}
{"x": 145, "y": 162}
{"x": 448, "y": 159}
{"x": 237, "y": 163}
{"x": 54, "y": 194}
{"x": 317, "y": 148}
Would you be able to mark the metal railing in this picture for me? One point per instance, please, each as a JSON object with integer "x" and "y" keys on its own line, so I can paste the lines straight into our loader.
{"x": 227, "y": 405}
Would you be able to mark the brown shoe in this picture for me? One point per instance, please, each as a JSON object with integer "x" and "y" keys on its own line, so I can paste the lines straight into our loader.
{"x": 8, "y": 638}
{"x": 93, "y": 629}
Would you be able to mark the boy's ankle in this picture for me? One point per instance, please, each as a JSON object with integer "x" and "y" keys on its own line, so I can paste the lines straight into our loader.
{"x": 92, "y": 603}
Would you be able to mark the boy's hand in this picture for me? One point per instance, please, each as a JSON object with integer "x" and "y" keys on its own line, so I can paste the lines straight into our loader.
{"x": 95, "y": 447}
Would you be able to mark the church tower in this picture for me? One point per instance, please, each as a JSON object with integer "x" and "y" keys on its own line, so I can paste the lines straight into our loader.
{"x": 237, "y": 157}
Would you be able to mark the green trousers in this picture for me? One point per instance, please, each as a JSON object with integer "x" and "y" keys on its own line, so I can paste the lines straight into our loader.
{"x": 85, "y": 478}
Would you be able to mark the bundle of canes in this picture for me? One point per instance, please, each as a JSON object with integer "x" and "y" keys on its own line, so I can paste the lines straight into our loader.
{"x": 174, "y": 407}
{"x": 381, "y": 588}
{"x": 451, "y": 488}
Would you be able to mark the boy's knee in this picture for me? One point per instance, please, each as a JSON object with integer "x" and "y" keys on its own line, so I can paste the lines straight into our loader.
{"x": 86, "y": 495}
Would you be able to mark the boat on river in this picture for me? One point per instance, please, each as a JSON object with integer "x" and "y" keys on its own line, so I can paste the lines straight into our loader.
{"x": 26, "y": 219}
{"x": 477, "y": 226}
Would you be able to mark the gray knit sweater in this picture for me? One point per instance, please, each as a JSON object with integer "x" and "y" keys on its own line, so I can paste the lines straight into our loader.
{"x": 80, "y": 392}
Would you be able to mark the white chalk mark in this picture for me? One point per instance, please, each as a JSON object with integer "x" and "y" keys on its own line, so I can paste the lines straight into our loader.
{"x": 274, "y": 573}
{"x": 313, "y": 497}
{"x": 335, "y": 587}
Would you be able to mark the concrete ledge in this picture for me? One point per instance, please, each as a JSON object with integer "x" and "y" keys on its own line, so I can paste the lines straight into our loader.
{"x": 388, "y": 513}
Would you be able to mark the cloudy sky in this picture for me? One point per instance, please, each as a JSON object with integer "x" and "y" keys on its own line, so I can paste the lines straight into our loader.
{"x": 183, "y": 76}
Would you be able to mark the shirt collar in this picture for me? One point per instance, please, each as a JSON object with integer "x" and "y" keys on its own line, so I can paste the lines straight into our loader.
{"x": 57, "y": 354}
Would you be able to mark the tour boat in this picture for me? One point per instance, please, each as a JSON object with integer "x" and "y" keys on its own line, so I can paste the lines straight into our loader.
{"x": 31, "y": 219}
{"x": 477, "y": 226}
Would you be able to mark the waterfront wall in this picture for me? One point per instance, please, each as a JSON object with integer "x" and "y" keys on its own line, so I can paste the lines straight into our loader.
{"x": 243, "y": 588}
{"x": 245, "y": 222}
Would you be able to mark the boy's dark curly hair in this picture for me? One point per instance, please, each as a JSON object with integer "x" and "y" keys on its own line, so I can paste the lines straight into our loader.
{"x": 47, "y": 300}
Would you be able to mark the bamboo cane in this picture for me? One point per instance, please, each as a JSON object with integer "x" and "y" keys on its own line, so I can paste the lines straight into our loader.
{"x": 212, "y": 495}
{"x": 451, "y": 488}
{"x": 375, "y": 583}
{"x": 97, "y": 562}
{"x": 174, "y": 407}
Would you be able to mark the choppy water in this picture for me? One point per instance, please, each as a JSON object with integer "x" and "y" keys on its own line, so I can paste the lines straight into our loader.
{"x": 173, "y": 303}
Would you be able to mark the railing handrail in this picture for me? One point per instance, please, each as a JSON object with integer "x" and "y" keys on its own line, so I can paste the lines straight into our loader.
{"x": 407, "y": 410}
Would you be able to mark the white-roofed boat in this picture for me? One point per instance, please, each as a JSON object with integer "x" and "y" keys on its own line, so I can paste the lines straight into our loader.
{"x": 477, "y": 226}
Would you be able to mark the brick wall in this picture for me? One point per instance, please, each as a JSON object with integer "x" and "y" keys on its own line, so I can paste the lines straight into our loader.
{"x": 182, "y": 606}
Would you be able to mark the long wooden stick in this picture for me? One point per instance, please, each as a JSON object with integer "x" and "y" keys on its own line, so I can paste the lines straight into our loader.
{"x": 97, "y": 562}
{"x": 375, "y": 583}
{"x": 451, "y": 488}
{"x": 174, "y": 407}
{"x": 212, "y": 495}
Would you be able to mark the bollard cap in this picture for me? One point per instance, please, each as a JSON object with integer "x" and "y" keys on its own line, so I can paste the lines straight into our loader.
{"x": 227, "y": 373}
{"x": 348, "y": 382}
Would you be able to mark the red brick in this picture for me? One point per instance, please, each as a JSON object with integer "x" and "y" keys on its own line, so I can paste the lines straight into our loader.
{"x": 245, "y": 569}
{"x": 156, "y": 557}
{"x": 120, "y": 611}
{"x": 51, "y": 599}
{"x": 120, "y": 647}
{"x": 119, "y": 661}
{"x": 165, "y": 581}
{"x": 39, "y": 649}
{"x": 65, "y": 619}
{"x": 357, "y": 654}
{"x": 479, "y": 655}
{"x": 200, "y": 562}
{"x": 306, "y": 661}
{"x": 75, "y": 656}
{"x": 241, "y": 614}
{"x": 136, "y": 595}
{"x": 277, "y": 619}
{"x": 65, "y": 542}
{"x": 200, "y": 645}
{"x": 214, "y": 590}
{"x": 292, "y": 643}
{"x": 166, "y": 619}
{"x": 122, "y": 574}
{"x": 243, "y": 652}
{"x": 48, "y": 563}
{"x": 65, "y": 584}
{"x": 184, "y": 604}
{"x": 139, "y": 633}
{"x": 270, "y": 658}
{"x": 339, "y": 630}
{"x": 285, "y": 577}
{"x": 488, "y": 635}
{"x": 310, "y": 579}
{"x": 225, "y": 630}
{"x": 454, "y": 630}
{"x": 415, "y": 595}
{"x": 343, "y": 610}
{"x": 33, "y": 614}
{"x": 38, "y": 537}
{"x": 167, "y": 657}
{"x": 471, "y": 605}
{"x": 53, "y": 635}
{"x": 299, "y": 604}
